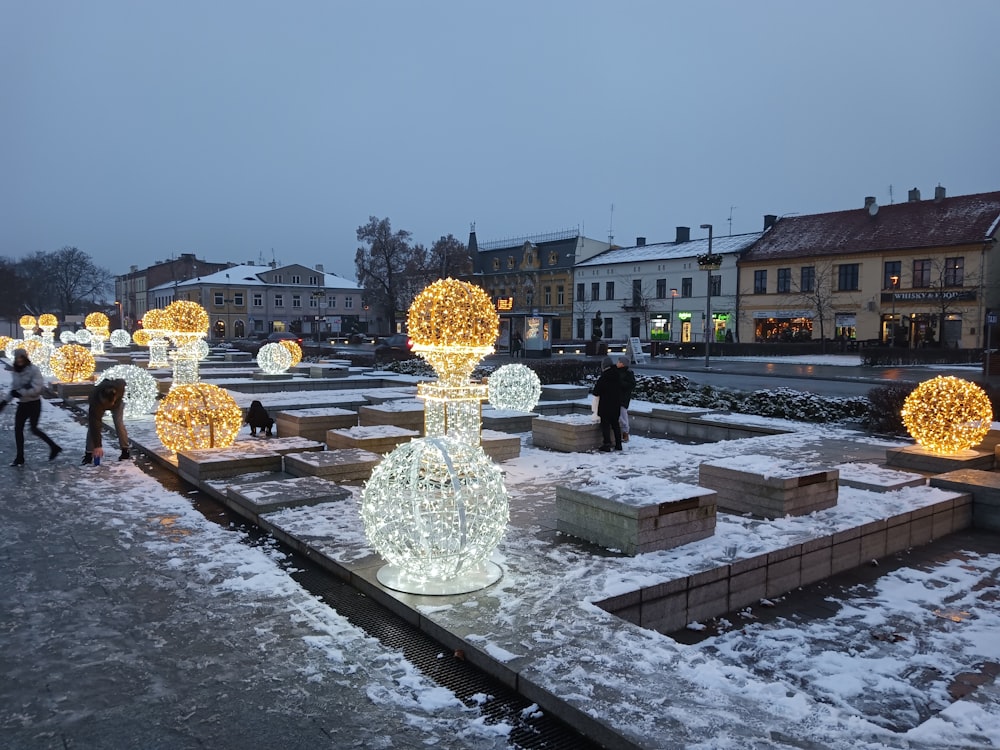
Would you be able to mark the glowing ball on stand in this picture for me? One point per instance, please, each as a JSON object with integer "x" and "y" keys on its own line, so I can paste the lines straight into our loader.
{"x": 294, "y": 349}
{"x": 274, "y": 359}
{"x": 195, "y": 416}
{"x": 72, "y": 363}
{"x": 947, "y": 415}
{"x": 96, "y": 321}
{"x": 435, "y": 508}
{"x": 140, "y": 388}
{"x": 120, "y": 338}
{"x": 28, "y": 322}
{"x": 186, "y": 317}
{"x": 82, "y": 336}
{"x": 514, "y": 387}
{"x": 67, "y": 337}
{"x": 48, "y": 321}
{"x": 141, "y": 337}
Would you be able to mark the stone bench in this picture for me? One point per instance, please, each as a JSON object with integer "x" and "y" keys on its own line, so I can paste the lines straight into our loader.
{"x": 238, "y": 357}
{"x": 564, "y": 392}
{"x": 570, "y": 433}
{"x": 327, "y": 371}
{"x": 500, "y": 446}
{"x": 379, "y": 439}
{"x": 983, "y": 486}
{"x": 340, "y": 465}
{"x": 262, "y": 497}
{"x": 243, "y": 457}
{"x": 876, "y": 478}
{"x": 385, "y": 395}
{"x": 644, "y": 517}
{"x": 774, "y": 490}
{"x": 313, "y": 424}
{"x": 505, "y": 420}
{"x": 918, "y": 458}
{"x": 407, "y": 414}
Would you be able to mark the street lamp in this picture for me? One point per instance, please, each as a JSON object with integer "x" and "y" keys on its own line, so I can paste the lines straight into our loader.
{"x": 892, "y": 320}
{"x": 670, "y": 328}
{"x": 121, "y": 320}
{"x": 710, "y": 263}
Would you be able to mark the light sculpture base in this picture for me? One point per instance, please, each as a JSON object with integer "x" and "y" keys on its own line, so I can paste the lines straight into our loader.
{"x": 475, "y": 578}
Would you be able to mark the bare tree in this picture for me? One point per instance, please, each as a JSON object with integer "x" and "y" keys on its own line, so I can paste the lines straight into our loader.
{"x": 382, "y": 267}
{"x": 819, "y": 297}
{"x": 948, "y": 291}
{"x": 65, "y": 281}
{"x": 449, "y": 256}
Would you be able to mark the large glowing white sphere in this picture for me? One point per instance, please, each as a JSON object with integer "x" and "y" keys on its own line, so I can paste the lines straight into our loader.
{"x": 67, "y": 337}
{"x": 435, "y": 508}
{"x": 82, "y": 336}
{"x": 514, "y": 387}
{"x": 201, "y": 349}
{"x": 274, "y": 359}
{"x": 120, "y": 338}
{"x": 140, "y": 388}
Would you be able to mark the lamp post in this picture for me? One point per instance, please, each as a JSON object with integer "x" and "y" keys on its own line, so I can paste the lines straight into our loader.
{"x": 710, "y": 265}
{"x": 670, "y": 328}
{"x": 892, "y": 320}
{"x": 121, "y": 320}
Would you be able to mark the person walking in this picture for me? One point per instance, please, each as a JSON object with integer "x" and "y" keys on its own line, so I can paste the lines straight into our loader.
{"x": 516, "y": 343}
{"x": 608, "y": 390}
{"x": 628, "y": 385}
{"x": 108, "y": 395}
{"x": 26, "y": 385}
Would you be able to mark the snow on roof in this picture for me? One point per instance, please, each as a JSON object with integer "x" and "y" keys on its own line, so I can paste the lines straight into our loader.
{"x": 246, "y": 275}
{"x": 670, "y": 250}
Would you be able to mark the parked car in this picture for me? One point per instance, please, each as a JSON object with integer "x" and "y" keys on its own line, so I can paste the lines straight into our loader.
{"x": 284, "y": 336}
{"x": 396, "y": 346}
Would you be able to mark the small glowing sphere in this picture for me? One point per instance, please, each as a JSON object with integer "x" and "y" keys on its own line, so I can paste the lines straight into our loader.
{"x": 4, "y": 343}
{"x": 200, "y": 349}
{"x": 96, "y": 321}
{"x": 72, "y": 363}
{"x": 140, "y": 388}
{"x": 946, "y": 414}
{"x": 141, "y": 337}
{"x": 184, "y": 316}
{"x": 435, "y": 507}
{"x": 67, "y": 337}
{"x": 294, "y": 349}
{"x": 196, "y": 416}
{"x": 155, "y": 320}
{"x": 274, "y": 359}
{"x": 120, "y": 338}
{"x": 83, "y": 336}
{"x": 453, "y": 313}
{"x": 48, "y": 320}
{"x": 27, "y": 321}
{"x": 515, "y": 387}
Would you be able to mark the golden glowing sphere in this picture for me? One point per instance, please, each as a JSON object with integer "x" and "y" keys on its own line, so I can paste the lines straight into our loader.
{"x": 453, "y": 313}
{"x": 294, "y": 349}
{"x": 155, "y": 320}
{"x": 4, "y": 343}
{"x": 947, "y": 414}
{"x": 198, "y": 415}
{"x": 184, "y": 316}
{"x": 32, "y": 347}
{"x": 96, "y": 320}
{"x": 141, "y": 337}
{"x": 27, "y": 321}
{"x": 72, "y": 363}
{"x": 48, "y": 320}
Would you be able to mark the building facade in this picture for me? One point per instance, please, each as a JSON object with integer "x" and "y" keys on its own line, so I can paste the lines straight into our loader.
{"x": 131, "y": 289}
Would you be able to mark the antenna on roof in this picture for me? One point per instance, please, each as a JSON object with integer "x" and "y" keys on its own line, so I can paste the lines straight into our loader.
{"x": 611, "y": 226}
{"x": 731, "y": 219}
{"x": 890, "y": 195}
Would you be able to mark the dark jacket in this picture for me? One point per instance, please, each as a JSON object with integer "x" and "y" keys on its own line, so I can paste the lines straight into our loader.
{"x": 106, "y": 395}
{"x": 257, "y": 416}
{"x": 627, "y": 378}
{"x": 609, "y": 389}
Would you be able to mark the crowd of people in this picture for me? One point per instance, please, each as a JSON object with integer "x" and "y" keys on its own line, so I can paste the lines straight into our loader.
{"x": 613, "y": 393}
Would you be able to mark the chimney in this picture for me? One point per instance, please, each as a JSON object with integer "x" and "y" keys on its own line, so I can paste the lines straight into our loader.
{"x": 869, "y": 201}
{"x": 914, "y": 196}
{"x": 640, "y": 241}
{"x": 319, "y": 267}
{"x": 939, "y": 194}
{"x": 683, "y": 235}
{"x": 769, "y": 221}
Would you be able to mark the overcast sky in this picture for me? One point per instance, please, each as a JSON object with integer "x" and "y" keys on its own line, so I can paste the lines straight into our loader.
{"x": 232, "y": 129}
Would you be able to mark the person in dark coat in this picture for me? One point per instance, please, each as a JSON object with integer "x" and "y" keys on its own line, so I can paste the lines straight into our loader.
{"x": 26, "y": 385}
{"x": 628, "y": 385}
{"x": 516, "y": 344}
{"x": 608, "y": 390}
{"x": 106, "y": 396}
{"x": 259, "y": 419}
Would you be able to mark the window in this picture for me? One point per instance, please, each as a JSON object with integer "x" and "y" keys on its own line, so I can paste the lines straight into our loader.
{"x": 661, "y": 289}
{"x": 847, "y": 277}
{"x": 496, "y": 264}
{"x": 313, "y": 300}
{"x": 715, "y": 285}
{"x": 954, "y": 271}
{"x": 219, "y": 299}
{"x": 889, "y": 269}
{"x": 686, "y": 287}
{"x": 560, "y": 295}
{"x": 332, "y": 301}
{"x": 313, "y": 280}
{"x": 636, "y": 291}
{"x": 609, "y": 290}
{"x": 547, "y": 295}
{"x": 296, "y": 279}
{"x": 579, "y": 328}
{"x": 553, "y": 258}
{"x": 296, "y": 301}
{"x": 608, "y": 332}
{"x": 277, "y": 278}
{"x": 580, "y": 294}
{"x": 807, "y": 279}
{"x": 529, "y": 299}
{"x": 279, "y": 300}
{"x": 921, "y": 274}
{"x": 348, "y": 302}
{"x": 258, "y": 299}
{"x": 760, "y": 282}
{"x": 238, "y": 299}
{"x": 595, "y": 291}
{"x": 510, "y": 261}
{"x": 784, "y": 280}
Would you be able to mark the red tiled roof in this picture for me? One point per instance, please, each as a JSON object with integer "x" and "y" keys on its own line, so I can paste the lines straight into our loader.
{"x": 959, "y": 220}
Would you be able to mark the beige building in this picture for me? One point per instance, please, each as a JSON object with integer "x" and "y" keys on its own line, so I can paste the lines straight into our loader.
{"x": 919, "y": 273}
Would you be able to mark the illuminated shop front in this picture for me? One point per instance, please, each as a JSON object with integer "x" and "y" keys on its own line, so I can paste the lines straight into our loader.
{"x": 845, "y": 326}
{"x": 783, "y": 325}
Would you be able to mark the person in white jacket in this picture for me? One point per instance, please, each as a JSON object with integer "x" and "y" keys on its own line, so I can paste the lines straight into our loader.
{"x": 26, "y": 385}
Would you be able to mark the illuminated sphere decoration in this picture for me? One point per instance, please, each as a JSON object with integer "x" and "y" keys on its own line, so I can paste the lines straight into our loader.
{"x": 196, "y": 416}
{"x": 72, "y": 363}
{"x": 33, "y": 347}
{"x": 294, "y": 349}
{"x": 120, "y": 338}
{"x": 201, "y": 349}
{"x": 515, "y": 387}
{"x": 67, "y": 337}
{"x": 48, "y": 320}
{"x": 141, "y": 337}
{"x": 13, "y": 344}
{"x": 155, "y": 320}
{"x": 96, "y": 321}
{"x": 83, "y": 336}
{"x": 140, "y": 389}
{"x": 947, "y": 415}
{"x": 274, "y": 359}
{"x": 435, "y": 509}
{"x": 27, "y": 322}
{"x": 184, "y": 316}
{"x": 4, "y": 343}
